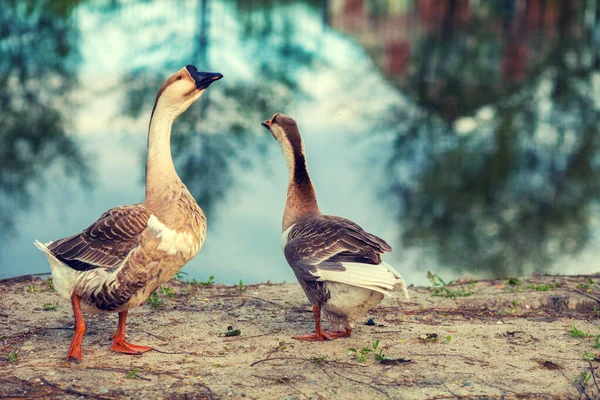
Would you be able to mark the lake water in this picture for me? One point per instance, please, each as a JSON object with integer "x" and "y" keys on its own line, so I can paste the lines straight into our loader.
{"x": 467, "y": 134}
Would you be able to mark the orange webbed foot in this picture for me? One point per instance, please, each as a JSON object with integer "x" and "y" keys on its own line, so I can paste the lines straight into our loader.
{"x": 332, "y": 335}
{"x": 74, "y": 353}
{"x": 121, "y": 346}
{"x": 310, "y": 336}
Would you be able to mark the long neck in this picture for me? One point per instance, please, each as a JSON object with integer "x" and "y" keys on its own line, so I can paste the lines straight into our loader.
{"x": 301, "y": 196}
{"x": 161, "y": 177}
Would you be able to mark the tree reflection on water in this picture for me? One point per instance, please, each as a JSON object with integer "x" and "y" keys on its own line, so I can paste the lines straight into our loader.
{"x": 497, "y": 172}
{"x": 494, "y": 154}
{"x": 208, "y": 151}
{"x": 38, "y": 60}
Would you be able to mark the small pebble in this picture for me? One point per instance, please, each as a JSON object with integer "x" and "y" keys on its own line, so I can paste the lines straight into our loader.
{"x": 103, "y": 390}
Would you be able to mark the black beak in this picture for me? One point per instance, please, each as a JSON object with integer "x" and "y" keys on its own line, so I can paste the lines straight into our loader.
{"x": 203, "y": 79}
{"x": 266, "y": 125}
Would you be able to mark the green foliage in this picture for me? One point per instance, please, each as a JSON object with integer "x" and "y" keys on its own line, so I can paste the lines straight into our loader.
{"x": 320, "y": 360}
{"x": 167, "y": 291}
{"x": 596, "y": 342}
{"x": 31, "y": 288}
{"x": 583, "y": 379}
{"x": 231, "y": 332}
{"x": 361, "y": 355}
{"x": 513, "y": 281}
{"x": 439, "y": 287}
{"x": 379, "y": 356}
{"x": 179, "y": 276}
{"x": 184, "y": 277}
{"x": 587, "y": 356}
{"x": 49, "y": 284}
{"x": 576, "y": 333}
{"x": 209, "y": 282}
{"x": 515, "y": 303}
{"x": 587, "y": 286}
{"x": 12, "y": 357}
{"x": 241, "y": 285}
{"x": 448, "y": 339}
{"x": 50, "y": 306}
{"x": 132, "y": 374}
{"x": 543, "y": 287}
{"x": 155, "y": 301}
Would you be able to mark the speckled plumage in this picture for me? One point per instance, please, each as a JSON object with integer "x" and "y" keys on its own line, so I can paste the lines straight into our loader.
{"x": 117, "y": 260}
{"x": 120, "y": 259}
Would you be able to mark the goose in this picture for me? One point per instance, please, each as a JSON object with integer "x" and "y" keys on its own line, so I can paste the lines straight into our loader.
{"x": 120, "y": 259}
{"x": 337, "y": 263}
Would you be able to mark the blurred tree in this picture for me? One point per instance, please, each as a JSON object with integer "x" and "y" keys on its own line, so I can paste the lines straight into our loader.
{"x": 208, "y": 148}
{"x": 38, "y": 59}
{"x": 507, "y": 184}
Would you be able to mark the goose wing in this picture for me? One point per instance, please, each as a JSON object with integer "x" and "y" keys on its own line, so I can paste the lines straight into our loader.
{"x": 332, "y": 240}
{"x": 107, "y": 242}
{"x": 334, "y": 249}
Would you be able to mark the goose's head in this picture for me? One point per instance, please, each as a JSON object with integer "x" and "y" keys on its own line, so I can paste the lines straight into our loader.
{"x": 285, "y": 130}
{"x": 282, "y": 127}
{"x": 183, "y": 88}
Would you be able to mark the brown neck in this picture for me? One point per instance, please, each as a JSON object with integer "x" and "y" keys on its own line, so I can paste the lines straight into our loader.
{"x": 301, "y": 196}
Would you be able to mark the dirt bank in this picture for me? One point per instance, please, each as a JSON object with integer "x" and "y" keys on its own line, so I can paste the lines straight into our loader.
{"x": 503, "y": 341}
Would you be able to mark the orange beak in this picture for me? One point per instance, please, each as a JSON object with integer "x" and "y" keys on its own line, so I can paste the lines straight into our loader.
{"x": 267, "y": 124}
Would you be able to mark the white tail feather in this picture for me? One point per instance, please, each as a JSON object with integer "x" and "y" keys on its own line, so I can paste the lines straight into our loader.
{"x": 400, "y": 285}
{"x": 43, "y": 247}
{"x": 64, "y": 278}
{"x": 381, "y": 278}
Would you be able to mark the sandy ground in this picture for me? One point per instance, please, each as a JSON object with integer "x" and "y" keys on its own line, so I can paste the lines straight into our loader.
{"x": 503, "y": 341}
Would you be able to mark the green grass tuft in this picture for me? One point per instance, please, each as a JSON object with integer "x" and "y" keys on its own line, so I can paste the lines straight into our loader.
{"x": 50, "y": 306}
{"x": 513, "y": 281}
{"x": 155, "y": 301}
{"x": 576, "y": 333}
{"x": 439, "y": 287}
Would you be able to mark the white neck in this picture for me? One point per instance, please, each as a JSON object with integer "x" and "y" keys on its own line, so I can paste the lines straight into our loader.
{"x": 160, "y": 171}
{"x": 288, "y": 153}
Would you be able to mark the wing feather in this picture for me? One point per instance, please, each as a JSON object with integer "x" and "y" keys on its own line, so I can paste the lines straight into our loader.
{"x": 333, "y": 239}
{"x": 105, "y": 243}
{"x": 334, "y": 249}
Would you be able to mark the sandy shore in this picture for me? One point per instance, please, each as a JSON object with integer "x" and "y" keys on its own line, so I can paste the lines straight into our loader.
{"x": 503, "y": 341}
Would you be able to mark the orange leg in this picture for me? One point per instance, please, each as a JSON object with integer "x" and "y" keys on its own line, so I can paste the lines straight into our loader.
{"x": 75, "y": 348}
{"x": 318, "y": 334}
{"x": 120, "y": 345}
{"x": 337, "y": 334}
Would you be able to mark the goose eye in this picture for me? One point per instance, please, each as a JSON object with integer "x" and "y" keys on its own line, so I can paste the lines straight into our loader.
{"x": 179, "y": 77}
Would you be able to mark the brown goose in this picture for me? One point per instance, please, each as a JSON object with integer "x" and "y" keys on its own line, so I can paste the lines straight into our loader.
{"x": 119, "y": 260}
{"x": 337, "y": 263}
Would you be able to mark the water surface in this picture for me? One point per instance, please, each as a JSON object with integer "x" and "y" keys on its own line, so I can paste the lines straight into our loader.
{"x": 465, "y": 134}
